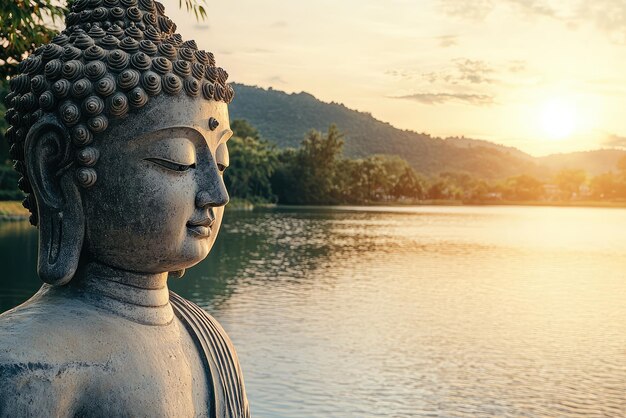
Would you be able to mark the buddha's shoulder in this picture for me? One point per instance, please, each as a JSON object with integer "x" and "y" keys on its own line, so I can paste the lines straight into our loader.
{"x": 41, "y": 355}
{"x": 52, "y": 348}
{"x": 50, "y": 322}
{"x": 51, "y": 312}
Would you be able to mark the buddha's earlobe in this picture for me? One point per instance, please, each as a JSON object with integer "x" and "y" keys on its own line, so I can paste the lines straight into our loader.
{"x": 60, "y": 212}
{"x": 176, "y": 274}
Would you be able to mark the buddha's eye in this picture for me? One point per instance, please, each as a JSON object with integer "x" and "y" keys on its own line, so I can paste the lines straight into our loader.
{"x": 171, "y": 165}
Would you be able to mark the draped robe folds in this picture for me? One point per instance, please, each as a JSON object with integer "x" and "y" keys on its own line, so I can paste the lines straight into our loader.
{"x": 224, "y": 374}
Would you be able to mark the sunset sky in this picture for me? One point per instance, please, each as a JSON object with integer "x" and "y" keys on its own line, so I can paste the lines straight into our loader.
{"x": 543, "y": 76}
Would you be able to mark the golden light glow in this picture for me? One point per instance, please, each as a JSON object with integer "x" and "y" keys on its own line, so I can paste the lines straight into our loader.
{"x": 558, "y": 119}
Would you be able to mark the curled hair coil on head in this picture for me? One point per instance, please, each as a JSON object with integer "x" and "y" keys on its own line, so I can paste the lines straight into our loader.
{"x": 112, "y": 57}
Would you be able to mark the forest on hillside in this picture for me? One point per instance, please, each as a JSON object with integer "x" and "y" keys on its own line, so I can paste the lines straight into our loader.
{"x": 286, "y": 118}
{"x": 317, "y": 173}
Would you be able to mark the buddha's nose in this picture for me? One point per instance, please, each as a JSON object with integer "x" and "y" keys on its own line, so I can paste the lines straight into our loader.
{"x": 216, "y": 198}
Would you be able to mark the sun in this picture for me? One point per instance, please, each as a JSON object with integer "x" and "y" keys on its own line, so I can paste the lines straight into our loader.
{"x": 558, "y": 119}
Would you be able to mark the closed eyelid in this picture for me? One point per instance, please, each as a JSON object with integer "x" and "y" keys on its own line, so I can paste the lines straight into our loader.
{"x": 171, "y": 165}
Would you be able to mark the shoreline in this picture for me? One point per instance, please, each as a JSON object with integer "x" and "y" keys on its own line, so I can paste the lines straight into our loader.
{"x": 14, "y": 211}
{"x": 573, "y": 204}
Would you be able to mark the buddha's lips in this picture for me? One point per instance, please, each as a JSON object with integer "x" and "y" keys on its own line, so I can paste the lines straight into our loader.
{"x": 201, "y": 228}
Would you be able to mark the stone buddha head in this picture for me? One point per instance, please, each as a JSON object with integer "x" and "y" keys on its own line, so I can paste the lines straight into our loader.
{"x": 119, "y": 131}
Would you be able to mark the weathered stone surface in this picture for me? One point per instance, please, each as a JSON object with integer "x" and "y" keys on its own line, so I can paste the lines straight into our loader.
{"x": 123, "y": 161}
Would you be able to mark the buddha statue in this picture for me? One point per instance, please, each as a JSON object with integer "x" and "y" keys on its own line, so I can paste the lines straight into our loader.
{"x": 119, "y": 129}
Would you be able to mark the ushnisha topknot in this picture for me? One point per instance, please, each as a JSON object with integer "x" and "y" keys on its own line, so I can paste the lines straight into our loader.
{"x": 111, "y": 58}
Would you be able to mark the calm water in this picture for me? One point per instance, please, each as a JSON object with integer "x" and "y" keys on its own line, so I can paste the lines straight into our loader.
{"x": 434, "y": 311}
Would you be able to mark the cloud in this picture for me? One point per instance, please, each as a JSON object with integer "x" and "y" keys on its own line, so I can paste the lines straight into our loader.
{"x": 462, "y": 80}
{"x": 474, "y": 9}
{"x": 517, "y": 66}
{"x": 201, "y": 26}
{"x": 447, "y": 41}
{"x": 608, "y": 16}
{"x": 474, "y": 72}
{"x": 480, "y": 9}
{"x": 441, "y": 98}
{"x": 612, "y": 140}
{"x": 279, "y": 24}
{"x": 276, "y": 79}
{"x": 535, "y": 8}
{"x": 403, "y": 74}
{"x": 463, "y": 72}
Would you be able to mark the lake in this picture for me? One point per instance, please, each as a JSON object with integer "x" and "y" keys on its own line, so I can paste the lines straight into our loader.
{"x": 403, "y": 312}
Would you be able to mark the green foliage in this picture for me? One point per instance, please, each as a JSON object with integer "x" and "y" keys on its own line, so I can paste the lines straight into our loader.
{"x": 605, "y": 186}
{"x": 316, "y": 173}
{"x": 252, "y": 163}
{"x": 621, "y": 165}
{"x": 523, "y": 187}
{"x": 8, "y": 183}
{"x": 193, "y": 6}
{"x": 4, "y": 146}
{"x": 569, "y": 181}
{"x": 409, "y": 185}
{"x": 243, "y": 129}
{"x": 24, "y": 25}
{"x": 307, "y": 175}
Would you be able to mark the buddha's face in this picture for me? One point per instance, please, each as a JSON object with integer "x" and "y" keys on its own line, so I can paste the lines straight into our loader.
{"x": 159, "y": 197}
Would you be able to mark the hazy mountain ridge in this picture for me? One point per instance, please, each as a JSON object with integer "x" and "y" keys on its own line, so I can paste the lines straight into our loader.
{"x": 464, "y": 142}
{"x": 598, "y": 161}
{"x": 285, "y": 118}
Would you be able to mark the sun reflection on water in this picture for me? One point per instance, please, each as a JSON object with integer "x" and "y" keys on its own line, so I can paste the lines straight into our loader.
{"x": 401, "y": 312}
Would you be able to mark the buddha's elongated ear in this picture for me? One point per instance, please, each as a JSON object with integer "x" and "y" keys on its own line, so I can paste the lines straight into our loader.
{"x": 177, "y": 274}
{"x": 61, "y": 220}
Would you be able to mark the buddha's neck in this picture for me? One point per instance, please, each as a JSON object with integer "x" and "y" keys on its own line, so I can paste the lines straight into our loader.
{"x": 139, "y": 297}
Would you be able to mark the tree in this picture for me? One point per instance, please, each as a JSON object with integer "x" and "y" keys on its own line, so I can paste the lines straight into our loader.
{"x": 350, "y": 182}
{"x": 394, "y": 168}
{"x": 523, "y": 187}
{"x": 621, "y": 166}
{"x": 569, "y": 181}
{"x": 308, "y": 175}
{"x": 252, "y": 163}
{"x": 409, "y": 185}
{"x": 243, "y": 129}
{"x": 26, "y": 24}
{"x": 479, "y": 191}
{"x": 375, "y": 176}
{"x": 438, "y": 189}
{"x": 4, "y": 145}
{"x": 604, "y": 186}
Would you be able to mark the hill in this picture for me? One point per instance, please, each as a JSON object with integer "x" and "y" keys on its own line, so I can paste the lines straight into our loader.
{"x": 594, "y": 162}
{"x": 285, "y": 119}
